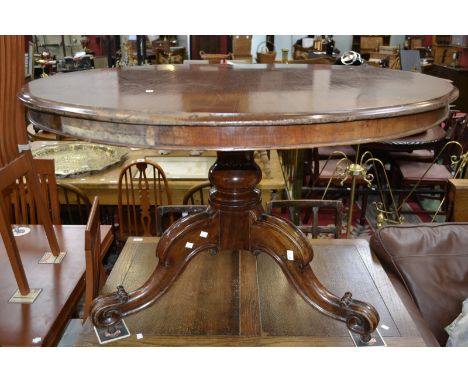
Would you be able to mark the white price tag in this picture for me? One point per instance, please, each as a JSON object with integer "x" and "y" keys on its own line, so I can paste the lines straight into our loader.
{"x": 290, "y": 254}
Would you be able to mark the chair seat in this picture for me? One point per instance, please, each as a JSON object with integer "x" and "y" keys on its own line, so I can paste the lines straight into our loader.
{"x": 415, "y": 155}
{"x": 326, "y": 152}
{"x": 327, "y": 170}
{"x": 413, "y": 171}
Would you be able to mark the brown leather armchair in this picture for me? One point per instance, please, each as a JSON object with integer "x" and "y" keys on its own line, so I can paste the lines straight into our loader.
{"x": 428, "y": 266}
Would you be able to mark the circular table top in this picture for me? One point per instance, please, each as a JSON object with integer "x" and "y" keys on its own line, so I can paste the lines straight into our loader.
{"x": 236, "y": 107}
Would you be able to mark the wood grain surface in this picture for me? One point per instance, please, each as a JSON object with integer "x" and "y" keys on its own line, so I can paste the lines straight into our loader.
{"x": 218, "y": 301}
{"x": 242, "y": 107}
{"x": 62, "y": 286}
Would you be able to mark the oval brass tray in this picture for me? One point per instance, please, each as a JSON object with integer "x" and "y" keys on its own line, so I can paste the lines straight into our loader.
{"x": 74, "y": 159}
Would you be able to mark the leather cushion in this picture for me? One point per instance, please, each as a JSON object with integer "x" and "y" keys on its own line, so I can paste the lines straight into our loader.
{"x": 431, "y": 261}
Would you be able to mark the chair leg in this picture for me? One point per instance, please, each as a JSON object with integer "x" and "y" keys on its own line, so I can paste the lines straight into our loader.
{"x": 365, "y": 198}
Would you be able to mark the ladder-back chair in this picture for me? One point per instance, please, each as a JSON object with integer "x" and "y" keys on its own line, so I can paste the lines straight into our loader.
{"x": 301, "y": 208}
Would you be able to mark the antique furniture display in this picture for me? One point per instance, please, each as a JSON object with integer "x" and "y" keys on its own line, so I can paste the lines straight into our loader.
{"x": 235, "y": 110}
{"x": 227, "y": 300}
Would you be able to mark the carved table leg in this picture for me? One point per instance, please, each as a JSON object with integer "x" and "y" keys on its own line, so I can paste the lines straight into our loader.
{"x": 179, "y": 244}
{"x": 293, "y": 252}
{"x": 235, "y": 221}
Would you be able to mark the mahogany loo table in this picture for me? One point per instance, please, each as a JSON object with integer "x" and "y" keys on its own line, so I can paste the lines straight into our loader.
{"x": 236, "y": 110}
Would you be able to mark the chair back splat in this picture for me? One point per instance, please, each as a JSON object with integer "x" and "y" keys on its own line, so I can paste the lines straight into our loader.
{"x": 16, "y": 172}
{"x": 23, "y": 206}
{"x": 142, "y": 187}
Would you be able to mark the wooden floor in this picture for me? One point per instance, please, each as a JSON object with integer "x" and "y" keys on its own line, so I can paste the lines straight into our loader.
{"x": 231, "y": 300}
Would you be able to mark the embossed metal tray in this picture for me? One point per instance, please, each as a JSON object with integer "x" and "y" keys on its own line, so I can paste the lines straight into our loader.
{"x": 78, "y": 159}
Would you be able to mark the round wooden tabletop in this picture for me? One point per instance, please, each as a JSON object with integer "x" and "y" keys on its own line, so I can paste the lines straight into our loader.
{"x": 238, "y": 107}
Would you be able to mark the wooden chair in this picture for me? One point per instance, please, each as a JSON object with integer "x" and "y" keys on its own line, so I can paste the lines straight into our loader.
{"x": 298, "y": 209}
{"x": 16, "y": 172}
{"x": 197, "y": 194}
{"x": 75, "y": 206}
{"x": 324, "y": 173}
{"x": 422, "y": 177}
{"x": 95, "y": 274}
{"x": 23, "y": 208}
{"x": 142, "y": 187}
{"x": 194, "y": 200}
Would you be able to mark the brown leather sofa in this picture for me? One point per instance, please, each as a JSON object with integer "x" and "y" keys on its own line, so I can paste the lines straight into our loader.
{"x": 428, "y": 266}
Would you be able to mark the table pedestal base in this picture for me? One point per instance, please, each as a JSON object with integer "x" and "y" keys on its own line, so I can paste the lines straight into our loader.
{"x": 235, "y": 220}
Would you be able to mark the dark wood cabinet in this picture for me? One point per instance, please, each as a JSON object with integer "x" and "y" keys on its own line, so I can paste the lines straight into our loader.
{"x": 209, "y": 44}
{"x": 459, "y": 77}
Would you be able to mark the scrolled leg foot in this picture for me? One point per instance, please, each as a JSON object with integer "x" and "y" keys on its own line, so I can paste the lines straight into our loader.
{"x": 361, "y": 318}
{"x": 106, "y": 312}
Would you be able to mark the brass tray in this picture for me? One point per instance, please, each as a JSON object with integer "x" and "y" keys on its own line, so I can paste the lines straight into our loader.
{"x": 78, "y": 159}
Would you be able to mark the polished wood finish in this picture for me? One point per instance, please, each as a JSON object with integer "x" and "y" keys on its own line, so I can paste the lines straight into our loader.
{"x": 235, "y": 109}
{"x": 95, "y": 274}
{"x": 458, "y": 197}
{"x": 62, "y": 286}
{"x": 238, "y": 107}
{"x": 142, "y": 187}
{"x": 245, "y": 300}
{"x": 12, "y": 123}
